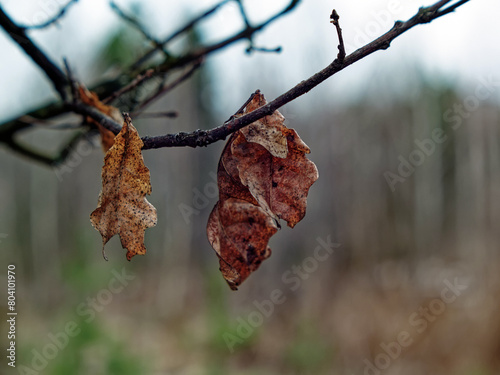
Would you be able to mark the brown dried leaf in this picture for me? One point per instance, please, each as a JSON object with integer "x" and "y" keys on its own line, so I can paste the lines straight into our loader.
{"x": 239, "y": 232}
{"x": 268, "y": 132}
{"x": 263, "y": 175}
{"x": 122, "y": 208}
{"x": 279, "y": 184}
{"x": 228, "y": 179}
{"x": 91, "y": 98}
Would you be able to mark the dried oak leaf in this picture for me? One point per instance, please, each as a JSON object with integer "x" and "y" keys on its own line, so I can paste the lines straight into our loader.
{"x": 273, "y": 165}
{"x": 91, "y": 98}
{"x": 280, "y": 185}
{"x": 239, "y": 232}
{"x": 263, "y": 176}
{"x": 122, "y": 207}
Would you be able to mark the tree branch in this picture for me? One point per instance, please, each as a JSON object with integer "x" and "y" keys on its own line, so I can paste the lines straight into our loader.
{"x": 28, "y": 153}
{"x": 206, "y": 137}
{"x": 96, "y": 115}
{"x": 115, "y": 85}
{"x": 451, "y": 8}
{"x": 40, "y": 156}
{"x": 168, "y": 114}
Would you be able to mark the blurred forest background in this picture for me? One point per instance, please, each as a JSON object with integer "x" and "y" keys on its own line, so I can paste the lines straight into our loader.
{"x": 398, "y": 250}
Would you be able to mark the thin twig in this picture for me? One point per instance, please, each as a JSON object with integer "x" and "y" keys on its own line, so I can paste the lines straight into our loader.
{"x": 335, "y": 20}
{"x": 252, "y": 48}
{"x": 136, "y": 82}
{"x": 170, "y": 114}
{"x": 177, "y": 33}
{"x": 56, "y": 18}
{"x": 164, "y": 89}
{"x": 434, "y": 7}
{"x": 452, "y": 8}
{"x": 243, "y": 13}
{"x": 242, "y": 108}
{"x": 246, "y": 33}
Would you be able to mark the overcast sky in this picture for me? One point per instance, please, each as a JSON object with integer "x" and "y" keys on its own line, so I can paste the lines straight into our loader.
{"x": 463, "y": 47}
